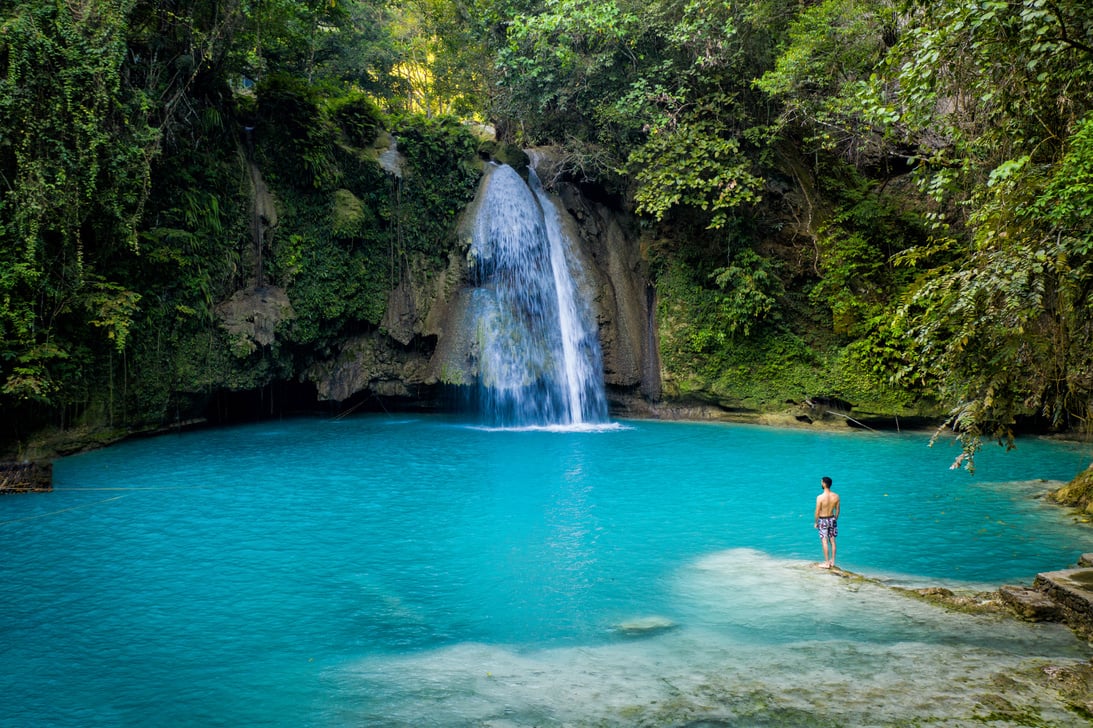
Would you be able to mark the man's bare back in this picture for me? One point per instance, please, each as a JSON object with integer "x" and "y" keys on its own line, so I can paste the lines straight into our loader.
{"x": 827, "y": 504}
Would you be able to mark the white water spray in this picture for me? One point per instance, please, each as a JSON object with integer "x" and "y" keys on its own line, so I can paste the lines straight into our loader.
{"x": 539, "y": 358}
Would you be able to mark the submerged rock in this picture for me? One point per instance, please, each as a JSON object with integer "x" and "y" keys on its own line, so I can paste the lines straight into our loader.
{"x": 646, "y": 625}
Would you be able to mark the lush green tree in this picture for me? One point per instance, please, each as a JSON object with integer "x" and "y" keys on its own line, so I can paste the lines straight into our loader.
{"x": 833, "y": 193}
{"x": 98, "y": 91}
{"x": 74, "y": 158}
{"x": 984, "y": 102}
{"x": 995, "y": 95}
{"x": 830, "y": 51}
{"x": 564, "y": 72}
{"x": 442, "y": 58}
{"x": 293, "y": 36}
{"x": 660, "y": 91}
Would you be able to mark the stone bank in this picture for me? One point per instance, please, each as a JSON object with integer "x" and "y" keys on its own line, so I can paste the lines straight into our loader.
{"x": 1057, "y": 596}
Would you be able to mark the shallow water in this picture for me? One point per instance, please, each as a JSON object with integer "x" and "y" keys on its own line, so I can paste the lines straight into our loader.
{"x": 418, "y": 571}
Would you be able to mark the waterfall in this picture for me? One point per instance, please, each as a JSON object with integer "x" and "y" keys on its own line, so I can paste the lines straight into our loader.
{"x": 539, "y": 358}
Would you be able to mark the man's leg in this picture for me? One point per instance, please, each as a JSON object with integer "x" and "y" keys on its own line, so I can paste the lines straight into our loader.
{"x": 832, "y": 562}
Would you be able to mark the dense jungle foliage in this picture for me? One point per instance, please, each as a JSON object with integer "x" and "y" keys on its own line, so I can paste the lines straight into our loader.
{"x": 889, "y": 201}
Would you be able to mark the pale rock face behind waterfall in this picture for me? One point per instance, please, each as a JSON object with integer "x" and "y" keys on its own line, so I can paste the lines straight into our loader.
{"x": 539, "y": 359}
{"x": 494, "y": 329}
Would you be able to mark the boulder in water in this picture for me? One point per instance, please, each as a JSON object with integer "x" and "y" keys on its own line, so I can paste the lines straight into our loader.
{"x": 641, "y": 626}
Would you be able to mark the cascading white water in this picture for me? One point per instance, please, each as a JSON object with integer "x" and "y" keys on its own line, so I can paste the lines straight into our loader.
{"x": 539, "y": 358}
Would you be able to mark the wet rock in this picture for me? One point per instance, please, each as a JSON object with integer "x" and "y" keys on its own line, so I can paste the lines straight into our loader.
{"x": 1030, "y": 604}
{"x": 645, "y": 625}
{"x": 1078, "y": 493}
{"x": 25, "y": 477}
{"x": 1072, "y": 591}
{"x": 400, "y": 317}
{"x": 388, "y": 155}
{"x": 972, "y": 603}
{"x": 367, "y": 364}
{"x": 1075, "y": 686}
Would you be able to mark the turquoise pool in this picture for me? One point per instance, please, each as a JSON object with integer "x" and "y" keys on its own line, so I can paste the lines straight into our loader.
{"x": 420, "y": 571}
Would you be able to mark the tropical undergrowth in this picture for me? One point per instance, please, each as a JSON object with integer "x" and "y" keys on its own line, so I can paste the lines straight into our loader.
{"x": 752, "y": 322}
{"x": 125, "y": 332}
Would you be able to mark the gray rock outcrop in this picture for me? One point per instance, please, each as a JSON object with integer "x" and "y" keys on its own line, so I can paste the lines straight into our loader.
{"x": 427, "y": 335}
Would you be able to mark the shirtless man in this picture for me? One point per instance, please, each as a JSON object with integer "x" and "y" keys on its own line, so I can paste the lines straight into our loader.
{"x": 827, "y": 521}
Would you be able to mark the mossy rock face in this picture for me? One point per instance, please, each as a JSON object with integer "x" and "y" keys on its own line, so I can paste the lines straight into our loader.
{"x": 1078, "y": 492}
{"x": 513, "y": 156}
{"x": 504, "y": 153}
{"x": 347, "y": 213}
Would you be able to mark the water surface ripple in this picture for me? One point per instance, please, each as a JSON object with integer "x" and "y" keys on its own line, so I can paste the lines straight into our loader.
{"x": 416, "y": 571}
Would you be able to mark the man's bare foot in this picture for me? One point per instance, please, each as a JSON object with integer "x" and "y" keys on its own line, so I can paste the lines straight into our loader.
{"x": 824, "y": 565}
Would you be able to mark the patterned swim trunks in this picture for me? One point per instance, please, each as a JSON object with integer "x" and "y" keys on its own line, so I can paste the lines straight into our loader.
{"x": 828, "y": 526}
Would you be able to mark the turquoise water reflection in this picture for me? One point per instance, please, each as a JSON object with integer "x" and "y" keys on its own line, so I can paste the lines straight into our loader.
{"x": 387, "y": 571}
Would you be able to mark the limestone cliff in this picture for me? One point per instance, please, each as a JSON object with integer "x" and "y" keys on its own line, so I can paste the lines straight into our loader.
{"x": 427, "y": 335}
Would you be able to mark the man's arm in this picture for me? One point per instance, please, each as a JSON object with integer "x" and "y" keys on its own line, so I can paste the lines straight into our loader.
{"x": 838, "y": 507}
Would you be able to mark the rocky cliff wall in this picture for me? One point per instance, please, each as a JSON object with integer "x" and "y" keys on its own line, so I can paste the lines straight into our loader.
{"x": 427, "y": 336}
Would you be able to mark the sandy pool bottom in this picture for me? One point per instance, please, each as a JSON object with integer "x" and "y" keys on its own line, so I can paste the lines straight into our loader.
{"x": 752, "y": 641}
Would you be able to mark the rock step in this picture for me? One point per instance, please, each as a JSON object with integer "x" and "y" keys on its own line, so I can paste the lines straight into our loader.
{"x": 1072, "y": 590}
{"x": 1031, "y": 604}
{"x": 1057, "y": 596}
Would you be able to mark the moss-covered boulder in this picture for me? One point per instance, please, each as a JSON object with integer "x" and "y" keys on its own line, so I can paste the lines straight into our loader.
{"x": 1078, "y": 493}
{"x": 504, "y": 153}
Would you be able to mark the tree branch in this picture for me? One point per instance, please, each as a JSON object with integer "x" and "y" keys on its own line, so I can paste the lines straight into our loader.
{"x": 1064, "y": 37}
